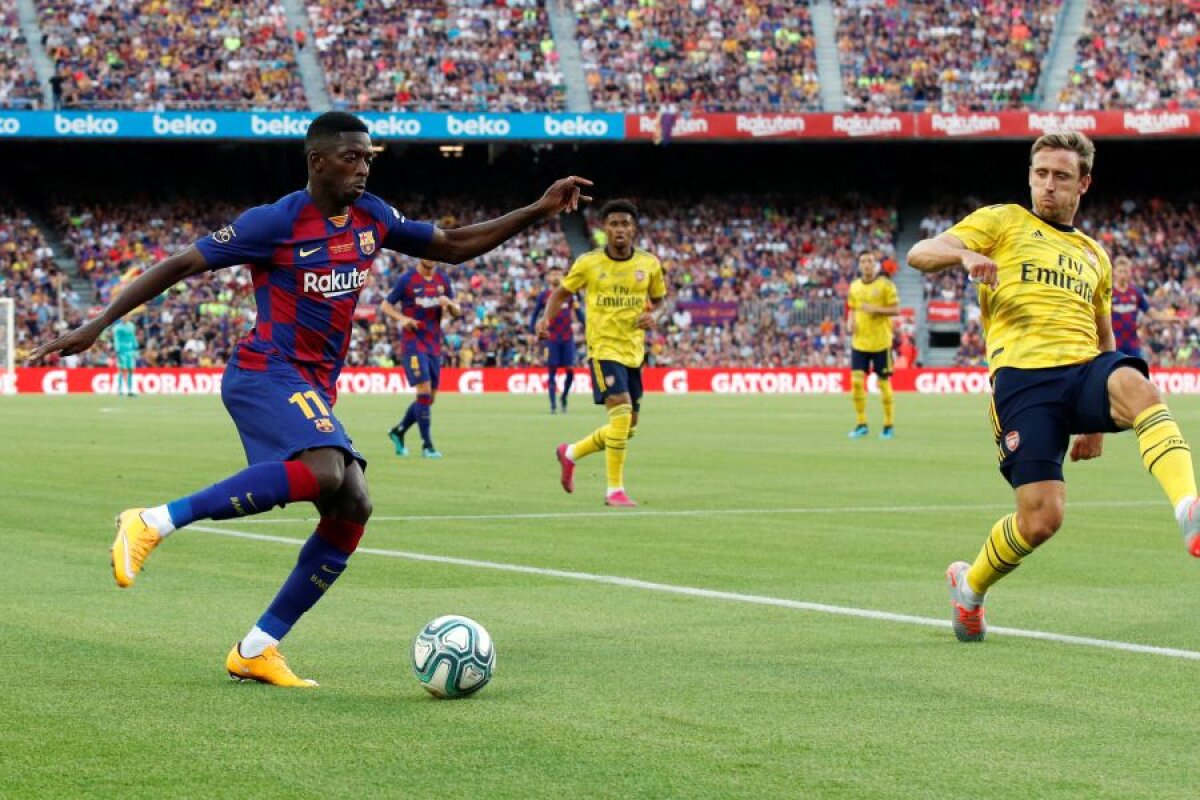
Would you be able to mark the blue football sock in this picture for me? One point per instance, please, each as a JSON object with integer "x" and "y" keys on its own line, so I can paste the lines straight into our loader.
{"x": 316, "y": 569}
{"x": 255, "y": 489}
{"x": 552, "y": 385}
{"x": 424, "y": 402}
{"x": 570, "y": 380}
{"x": 410, "y": 419}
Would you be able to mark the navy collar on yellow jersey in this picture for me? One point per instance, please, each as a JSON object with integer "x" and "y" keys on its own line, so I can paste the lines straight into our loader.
{"x": 611, "y": 257}
{"x": 1058, "y": 226}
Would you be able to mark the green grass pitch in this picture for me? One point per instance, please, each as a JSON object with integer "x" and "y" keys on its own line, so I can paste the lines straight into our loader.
{"x": 605, "y": 688}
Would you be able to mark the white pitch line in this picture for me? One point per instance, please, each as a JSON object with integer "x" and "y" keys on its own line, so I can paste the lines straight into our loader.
{"x": 738, "y": 597}
{"x": 702, "y": 512}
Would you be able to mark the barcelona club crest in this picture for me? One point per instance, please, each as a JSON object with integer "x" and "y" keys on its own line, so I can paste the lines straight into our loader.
{"x": 324, "y": 424}
{"x": 366, "y": 242}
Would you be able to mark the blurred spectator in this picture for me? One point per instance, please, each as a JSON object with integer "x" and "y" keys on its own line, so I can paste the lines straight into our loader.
{"x": 149, "y": 55}
{"x": 19, "y": 87}
{"x": 438, "y": 55}
{"x": 704, "y": 55}
{"x": 980, "y": 55}
{"x": 1136, "y": 54}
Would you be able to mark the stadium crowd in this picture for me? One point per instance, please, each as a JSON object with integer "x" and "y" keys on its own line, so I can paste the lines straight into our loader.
{"x": 755, "y": 281}
{"x": 151, "y": 55}
{"x": 19, "y": 87}
{"x": 701, "y": 56}
{"x": 984, "y": 55}
{"x": 1136, "y": 54}
{"x": 434, "y": 55}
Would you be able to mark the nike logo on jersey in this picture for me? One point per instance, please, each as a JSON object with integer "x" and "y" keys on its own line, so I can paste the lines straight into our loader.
{"x": 306, "y": 253}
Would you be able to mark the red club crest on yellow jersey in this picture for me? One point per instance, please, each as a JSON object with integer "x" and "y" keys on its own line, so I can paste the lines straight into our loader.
{"x": 366, "y": 242}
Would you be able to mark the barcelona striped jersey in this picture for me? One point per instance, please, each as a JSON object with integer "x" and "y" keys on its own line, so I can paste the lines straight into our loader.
{"x": 560, "y": 328}
{"x": 1126, "y": 303}
{"x": 308, "y": 271}
{"x": 419, "y": 298}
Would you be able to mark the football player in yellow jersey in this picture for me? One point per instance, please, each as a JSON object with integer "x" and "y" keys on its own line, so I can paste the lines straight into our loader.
{"x": 873, "y": 302}
{"x": 1045, "y": 291}
{"x": 625, "y": 289}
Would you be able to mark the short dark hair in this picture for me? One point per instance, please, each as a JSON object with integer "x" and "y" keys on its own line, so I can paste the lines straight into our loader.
{"x": 621, "y": 206}
{"x": 328, "y": 125}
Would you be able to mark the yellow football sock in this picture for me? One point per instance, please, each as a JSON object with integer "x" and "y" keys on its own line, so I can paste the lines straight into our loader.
{"x": 1001, "y": 554}
{"x": 615, "y": 437}
{"x": 1165, "y": 452}
{"x": 592, "y": 443}
{"x": 858, "y": 392}
{"x": 889, "y": 401}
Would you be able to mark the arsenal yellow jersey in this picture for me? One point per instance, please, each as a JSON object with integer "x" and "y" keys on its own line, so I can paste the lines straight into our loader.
{"x": 872, "y": 332}
{"x": 1053, "y": 282}
{"x": 617, "y": 294}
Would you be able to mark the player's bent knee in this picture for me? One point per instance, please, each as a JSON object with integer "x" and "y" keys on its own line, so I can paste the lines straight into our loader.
{"x": 1038, "y": 526}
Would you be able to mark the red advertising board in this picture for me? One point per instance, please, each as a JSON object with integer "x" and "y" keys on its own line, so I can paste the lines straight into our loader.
{"x": 732, "y": 380}
{"x": 908, "y": 125}
{"x": 943, "y": 311}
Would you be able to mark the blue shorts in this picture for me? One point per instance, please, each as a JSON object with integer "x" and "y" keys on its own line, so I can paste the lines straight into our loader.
{"x": 127, "y": 360}
{"x": 1136, "y": 352}
{"x": 613, "y": 377}
{"x": 422, "y": 367}
{"x": 879, "y": 360}
{"x": 279, "y": 414}
{"x": 560, "y": 354}
{"x": 1035, "y": 411}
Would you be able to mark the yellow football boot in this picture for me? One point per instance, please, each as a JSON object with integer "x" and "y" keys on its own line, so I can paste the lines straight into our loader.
{"x": 135, "y": 539}
{"x": 266, "y": 668}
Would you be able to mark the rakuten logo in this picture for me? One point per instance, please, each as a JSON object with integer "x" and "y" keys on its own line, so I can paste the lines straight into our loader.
{"x": 335, "y": 284}
{"x": 86, "y": 125}
{"x": 286, "y": 125}
{"x": 9, "y": 126}
{"x": 187, "y": 125}
{"x": 768, "y": 126}
{"x": 1047, "y": 123}
{"x": 873, "y": 125}
{"x": 964, "y": 125}
{"x": 477, "y": 126}
{"x": 689, "y": 126}
{"x": 577, "y": 126}
{"x": 394, "y": 126}
{"x": 1156, "y": 121}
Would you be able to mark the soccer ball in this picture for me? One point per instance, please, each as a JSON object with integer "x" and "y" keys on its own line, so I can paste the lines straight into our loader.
{"x": 453, "y": 656}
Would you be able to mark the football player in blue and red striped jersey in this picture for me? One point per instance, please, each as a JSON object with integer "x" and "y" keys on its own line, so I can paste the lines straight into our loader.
{"x": 422, "y": 294}
{"x": 310, "y": 255}
{"x": 560, "y": 337}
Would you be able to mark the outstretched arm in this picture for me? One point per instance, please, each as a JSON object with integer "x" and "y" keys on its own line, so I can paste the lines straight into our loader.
{"x": 457, "y": 245}
{"x": 945, "y": 251}
{"x": 145, "y": 287}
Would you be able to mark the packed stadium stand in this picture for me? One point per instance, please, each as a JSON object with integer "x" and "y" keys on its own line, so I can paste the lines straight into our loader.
{"x": 433, "y": 55}
{"x": 19, "y": 87}
{"x": 186, "y": 54}
{"x": 716, "y": 56}
{"x": 975, "y": 56}
{"x": 1141, "y": 55}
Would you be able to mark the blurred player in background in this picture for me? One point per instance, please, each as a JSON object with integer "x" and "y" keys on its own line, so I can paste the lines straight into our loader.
{"x": 560, "y": 338}
{"x": 873, "y": 302}
{"x": 125, "y": 343}
{"x": 310, "y": 253}
{"x": 1128, "y": 302}
{"x": 1045, "y": 292}
{"x": 625, "y": 289}
{"x": 416, "y": 302}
